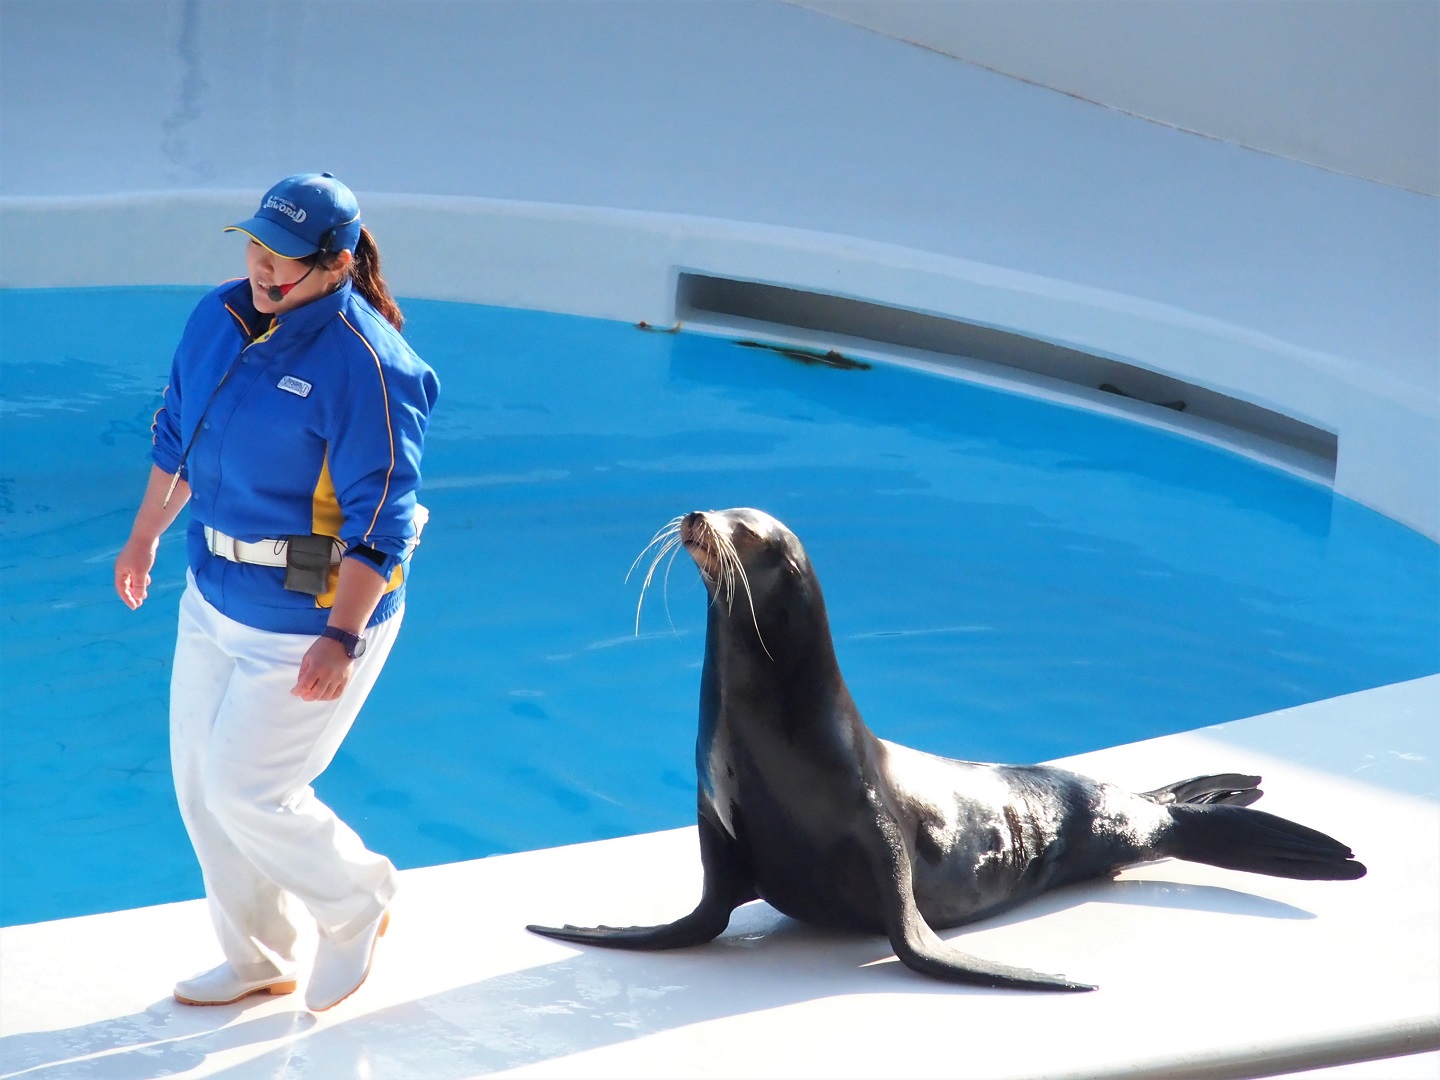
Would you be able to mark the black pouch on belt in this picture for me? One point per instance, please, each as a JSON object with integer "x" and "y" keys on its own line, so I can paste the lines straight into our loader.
{"x": 307, "y": 564}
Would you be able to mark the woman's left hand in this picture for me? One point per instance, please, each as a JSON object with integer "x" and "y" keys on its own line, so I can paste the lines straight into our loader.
{"x": 324, "y": 672}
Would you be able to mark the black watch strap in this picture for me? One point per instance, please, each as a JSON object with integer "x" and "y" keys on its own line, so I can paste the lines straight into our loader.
{"x": 354, "y": 643}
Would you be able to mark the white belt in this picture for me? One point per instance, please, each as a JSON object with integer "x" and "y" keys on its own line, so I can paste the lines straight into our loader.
{"x": 258, "y": 552}
{"x": 273, "y": 552}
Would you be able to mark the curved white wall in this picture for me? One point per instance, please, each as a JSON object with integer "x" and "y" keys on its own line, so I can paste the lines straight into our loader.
{"x": 1349, "y": 85}
{"x": 574, "y": 156}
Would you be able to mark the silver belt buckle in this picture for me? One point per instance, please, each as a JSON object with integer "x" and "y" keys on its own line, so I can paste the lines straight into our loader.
{"x": 221, "y": 545}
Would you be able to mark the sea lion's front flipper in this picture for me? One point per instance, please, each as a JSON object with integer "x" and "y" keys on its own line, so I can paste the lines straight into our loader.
{"x": 917, "y": 946}
{"x": 728, "y": 884}
{"x": 694, "y": 929}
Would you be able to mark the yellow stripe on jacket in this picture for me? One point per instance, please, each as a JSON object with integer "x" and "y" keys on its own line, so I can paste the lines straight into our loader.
{"x": 327, "y": 519}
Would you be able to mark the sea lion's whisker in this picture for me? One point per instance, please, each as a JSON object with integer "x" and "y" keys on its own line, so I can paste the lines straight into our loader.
{"x": 659, "y": 554}
{"x": 670, "y": 528}
{"x": 754, "y": 618}
{"x": 640, "y": 601}
{"x": 668, "y": 548}
{"x": 725, "y": 560}
{"x": 732, "y": 567}
{"x": 665, "y": 584}
{"x": 668, "y": 539}
{"x": 650, "y": 571}
{"x": 729, "y": 563}
{"x": 726, "y": 592}
{"x": 722, "y": 582}
{"x": 671, "y": 547}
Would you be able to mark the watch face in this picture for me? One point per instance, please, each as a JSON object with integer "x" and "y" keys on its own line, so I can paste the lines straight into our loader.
{"x": 354, "y": 643}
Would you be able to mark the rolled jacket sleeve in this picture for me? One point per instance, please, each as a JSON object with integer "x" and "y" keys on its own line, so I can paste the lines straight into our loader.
{"x": 377, "y": 444}
{"x": 166, "y": 449}
{"x": 213, "y": 336}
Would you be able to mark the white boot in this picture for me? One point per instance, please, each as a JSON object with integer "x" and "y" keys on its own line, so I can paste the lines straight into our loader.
{"x": 223, "y": 985}
{"x": 341, "y": 967}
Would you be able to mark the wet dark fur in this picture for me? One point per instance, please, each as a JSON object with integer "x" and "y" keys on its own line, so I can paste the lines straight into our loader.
{"x": 802, "y": 806}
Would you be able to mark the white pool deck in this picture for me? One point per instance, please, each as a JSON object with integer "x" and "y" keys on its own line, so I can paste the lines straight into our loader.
{"x": 1203, "y": 973}
{"x": 575, "y": 157}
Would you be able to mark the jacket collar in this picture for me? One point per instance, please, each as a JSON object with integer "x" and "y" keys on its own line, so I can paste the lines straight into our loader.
{"x": 303, "y": 320}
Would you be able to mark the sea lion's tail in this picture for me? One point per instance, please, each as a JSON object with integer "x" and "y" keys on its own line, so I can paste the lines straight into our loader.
{"x": 1238, "y": 838}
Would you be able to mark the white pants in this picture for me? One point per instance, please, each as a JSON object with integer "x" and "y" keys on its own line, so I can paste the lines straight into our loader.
{"x": 244, "y": 753}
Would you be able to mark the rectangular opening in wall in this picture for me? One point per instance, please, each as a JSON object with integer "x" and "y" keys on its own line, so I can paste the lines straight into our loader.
{"x": 757, "y": 308}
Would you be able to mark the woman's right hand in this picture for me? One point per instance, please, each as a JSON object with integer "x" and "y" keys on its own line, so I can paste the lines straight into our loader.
{"x": 132, "y": 570}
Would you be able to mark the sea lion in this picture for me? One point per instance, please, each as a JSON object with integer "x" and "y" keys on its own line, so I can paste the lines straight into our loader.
{"x": 802, "y": 806}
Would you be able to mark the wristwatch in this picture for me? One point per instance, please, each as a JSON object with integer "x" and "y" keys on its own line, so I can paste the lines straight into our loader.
{"x": 354, "y": 643}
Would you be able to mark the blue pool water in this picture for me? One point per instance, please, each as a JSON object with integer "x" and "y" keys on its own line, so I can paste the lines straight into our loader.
{"x": 1007, "y": 580}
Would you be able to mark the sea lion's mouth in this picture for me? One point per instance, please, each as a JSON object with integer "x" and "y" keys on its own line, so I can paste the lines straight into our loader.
{"x": 713, "y": 550}
{"x": 698, "y": 536}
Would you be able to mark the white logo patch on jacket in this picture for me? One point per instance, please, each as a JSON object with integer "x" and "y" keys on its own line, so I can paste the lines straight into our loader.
{"x": 298, "y": 387}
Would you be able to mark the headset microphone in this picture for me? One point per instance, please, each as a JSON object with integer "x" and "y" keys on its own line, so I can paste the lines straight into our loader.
{"x": 279, "y": 292}
{"x": 276, "y": 293}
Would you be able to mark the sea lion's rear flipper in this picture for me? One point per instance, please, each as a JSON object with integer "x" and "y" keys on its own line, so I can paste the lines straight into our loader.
{"x": 1238, "y": 838}
{"x": 1227, "y": 789}
{"x": 728, "y": 884}
{"x": 922, "y": 951}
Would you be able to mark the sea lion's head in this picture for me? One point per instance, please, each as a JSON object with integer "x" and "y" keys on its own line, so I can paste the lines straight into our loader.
{"x": 757, "y": 573}
{"x": 763, "y": 592}
{"x": 733, "y": 546}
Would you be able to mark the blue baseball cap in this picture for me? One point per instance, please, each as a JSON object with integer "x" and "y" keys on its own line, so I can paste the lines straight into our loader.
{"x": 303, "y": 214}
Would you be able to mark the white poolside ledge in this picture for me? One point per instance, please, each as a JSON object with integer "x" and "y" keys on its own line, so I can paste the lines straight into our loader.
{"x": 624, "y": 265}
{"x": 1203, "y": 973}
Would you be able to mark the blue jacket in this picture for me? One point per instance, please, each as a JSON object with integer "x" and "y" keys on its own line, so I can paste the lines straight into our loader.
{"x": 317, "y": 426}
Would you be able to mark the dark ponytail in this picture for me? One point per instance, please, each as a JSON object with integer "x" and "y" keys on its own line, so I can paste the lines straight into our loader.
{"x": 365, "y": 271}
{"x": 365, "y": 274}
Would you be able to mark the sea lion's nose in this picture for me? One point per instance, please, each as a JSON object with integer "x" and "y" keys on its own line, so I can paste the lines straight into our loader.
{"x": 690, "y": 526}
